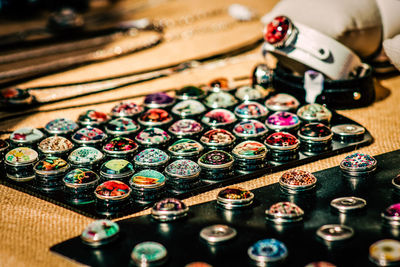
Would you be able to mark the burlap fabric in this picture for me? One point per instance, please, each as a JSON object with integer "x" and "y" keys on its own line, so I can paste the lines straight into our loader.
{"x": 29, "y": 226}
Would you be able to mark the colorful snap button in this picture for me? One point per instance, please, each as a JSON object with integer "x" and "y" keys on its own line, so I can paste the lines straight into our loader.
{"x": 284, "y": 212}
{"x": 154, "y": 117}
{"x": 185, "y": 148}
{"x": 234, "y": 197}
{"x": 218, "y": 118}
{"x": 190, "y": 92}
{"x": 220, "y": 100}
{"x": 282, "y": 102}
{"x": 183, "y": 168}
{"x": 51, "y": 166}
{"x": 92, "y": 117}
{"x": 126, "y": 109}
{"x": 60, "y": 126}
{"x": 217, "y": 233}
{"x": 100, "y": 232}
{"x": 120, "y": 145}
{"x": 335, "y": 232}
{"x": 26, "y": 135}
{"x": 216, "y": 159}
{"x": 348, "y": 133}
{"x": 392, "y": 215}
{"x": 151, "y": 157}
{"x": 188, "y": 108}
{"x": 122, "y": 126}
{"x": 152, "y": 136}
{"x": 220, "y": 84}
{"x": 282, "y": 121}
{"x": 348, "y": 204}
{"x": 315, "y": 132}
{"x": 112, "y": 190}
{"x": 358, "y": 164}
{"x": 80, "y": 177}
{"x": 314, "y": 113}
{"x": 249, "y": 150}
{"x": 282, "y": 141}
{"x": 385, "y": 252}
{"x": 116, "y": 169}
{"x": 169, "y": 209}
{"x": 55, "y": 145}
{"x": 217, "y": 138}
{"x": 250, "y": 129}
{"x": 248, "y": 93}
{"x": 250, "y": 110}
{"x": 267, "y": 251}
{"x": 85, "y": 156}
{"x": 320, "y": 264}
{"x": 158, "y": 100}
{"x": 149, "y": 254}
{"x": 147, "y": 179}
{"x": 21, "y": 156}
{"x": 297, "y": 181}
{"x": 89, "y": 135}
{"x": 185, "y": 127}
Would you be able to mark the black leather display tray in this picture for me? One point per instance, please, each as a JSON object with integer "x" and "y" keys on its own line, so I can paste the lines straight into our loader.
{"x": 182, "y": 240}
{"x": 90, "y": 211}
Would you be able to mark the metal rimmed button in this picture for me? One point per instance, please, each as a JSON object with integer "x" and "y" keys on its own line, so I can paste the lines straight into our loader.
{"x": 282, "y": 146}
{"x": 149, "y": 254}
{"x": 154, "y": 117}
{"x": 250, "y": 110}
{"x": 188, "y": 108}
{"x": 348, "y": 133}
{"x": 112, "y": 196}
{"x": 55, "y": 146}
{"x": 185, "y": 128}
{"x": 348, "y": 204}
{"x": 89, "y": 136}
{"x": 122, "y": 126}
{"x": 185, "y": 149}
{"x": 234, "y": 197}
{"x": 297, "y": 181}
{"x": 93, "y": 118}
{"x": 190, "y": 92}
{"x": 151, "y": 158}
{"x": 19, "y": 164}
{"x": 218, "y": 233}
{"x": 315, "y": 137}
{"x": 282, "y": 102}
{"x": 116, "y": 169}
{"x": 250, "y": 93}
{"x": 216, "y": 164}
{"x": 250, "y": 129}
{"x": 335, "y": 232}
{"x": 220, "y": 100}
{"x": 182, "y": 169}
{"x": 26, "y": 136}
{"x": 218, "y": 118}
{"x": 158, "y": 100}
{"x": 392, "y": 215}
{"x": 88, "y": 157}
{"x": 100, "y": 232}
{"x": 220, "y": 84}
{"x": 314, "y": 113}
{"x": 61, "y": 126}
{"x": 169, "y": 209}
{"x": 120, "y": 147}
{"x": 267, "y": 251}
{"x": 49, "y": 173}
{"x": 147, "y": 185}
{"x": 283, "y": 121}
{"x": 284, "y": 212}
{"x": 153, "y": 137}
{"x": 385, "y": 252}
{"x": 358, "y": 164}
{"x": 218, "y": 139}
{"x": 126, "y": 109}
{"x": 79, "y": 185}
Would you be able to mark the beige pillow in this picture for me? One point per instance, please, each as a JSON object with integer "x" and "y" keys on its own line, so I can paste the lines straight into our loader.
{"x": 392, "y": 50}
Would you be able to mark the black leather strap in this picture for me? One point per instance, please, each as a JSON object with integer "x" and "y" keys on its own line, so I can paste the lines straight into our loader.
{"x": 337, "y": 94}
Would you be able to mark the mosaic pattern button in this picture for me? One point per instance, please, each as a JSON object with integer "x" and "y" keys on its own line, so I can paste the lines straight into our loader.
{"x": 216, "y": 159}
{"x": 55, "y": 144}
{"x": 250, "y": 110}
{"x": 149, "y": 254}
{"x": 188, "y": 108}
{"x": 85, "y": 155}
{"x": 217, "y": 137}
{"x": 185, "y": 127}
{"x": 248, "y": 93}
{"x": 183, "y": 169}
{"x": 116, "y": 168}
{"x": 284, "y": 212}
{"x": 219, "y": 118}
{"x": 51, "y": 165}
{"x": 297, "y": 180}
{"x": 93, "y": 117}
{"x": 314, "y": 112}
{"x": 169, "y": 209}
{"x": 122, "y": 126}
{"x": 190, "y": 92}
{"x": 80, "y": 177}
{"x": 26, "y": 135}
{"x": 234, "y": 197}
{"x": 100, "y": 232}
{"x": 60, "y": 126}
{"x": 315, "y": 132}
{"x": 147, "y": 179}
{"x": 348, "y": 204}
{"x": 152, "y": 136}
{"x": 185, "y": 147}
{"x": 282, "y": 102}
{"x": 21, "y": 156}
{"x": 268, "y": 251}
{"x": 112, "y": 190}
{"x": 358, "y": 164}
{"x": 158, "y": 100}
{"x": 250, "y": 129}
{"x": 155, "y": 117}
{"x": 250, "y": 150}
{"x": 126, "y": 109}
{"x": 282, "y": 120}
{"x": 151, "y": 157}
{"x": 282, "y": 141}
{"x": 120, "y": 145}
{"x": 335, "y": 232}
{"x": 217, "y": 233}
{"x": 89, "y": 135}
{"x": 220, "y": 100}
{"x": 392, "y": 215}
{"x": 385, "y": 252}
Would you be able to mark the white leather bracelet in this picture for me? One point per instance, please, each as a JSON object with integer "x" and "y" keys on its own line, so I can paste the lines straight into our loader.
{"x": 309, "y": 47}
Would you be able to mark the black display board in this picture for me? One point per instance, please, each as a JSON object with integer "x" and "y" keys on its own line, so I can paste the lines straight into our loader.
{"x": 181, "y": 238}
{"x": 90, "y": 211}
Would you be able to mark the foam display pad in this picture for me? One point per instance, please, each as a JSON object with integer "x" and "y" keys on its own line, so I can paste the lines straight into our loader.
{"x": 181, "y": 238}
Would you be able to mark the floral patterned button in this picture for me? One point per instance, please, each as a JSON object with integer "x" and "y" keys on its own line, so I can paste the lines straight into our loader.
{"x": 151, "y": 157}
{"x": 315, "y": 132}
{"x": 152, "y": 136}
{"x": 26, "y": 135}
{"x": 185, "y": 127}
{"x": 249, "y": 93}
{"x": 100, "y": 232}
{"x": 183, "y": 169}
{"x": 116, "y": 168}
{"x": 250, "y": 150}
{"x": 120, "y": 145}
{"x": 250, "y": 128}
{"x": 158, "y": 100}
{"x": 234, "y": 197}
{"x": 147, "y": 179}
{"x": 358, "y": 164}
{"x": 126, "y": 109}
{"x": 188, "y": 108}
{"x": 85, "y": 155}
{"x": 250, "y": 110}
{"x": 112, "y": 190}
{"x": 92, "y": 117}
{"x": 219, "y": 118}
{"x": 190, "y": 92}
{"x": 185, "y": 147}
{"x": 282, "y": 102}
{"x": 21, "y": 156}
{"x": 282, "y": 120}
{"x": 216, "y": 159}
{"x": 220, "y": 100}
{"x": 281, "y": 141}
{"x": 392, "y": 215}
{"x": 155, "y": 117}
{"x": 80, "y": 177}
{"x": 122, "y": 126}
{"x": 51, "y": 165}
{"x": 55, "y": 144}
{"x": 217, "y": 137}
{"x": 61, "y": 126}
{"x": 284, "y": 212}
{"x": 314, "y": 112}
{"x": 89, "y": 135}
